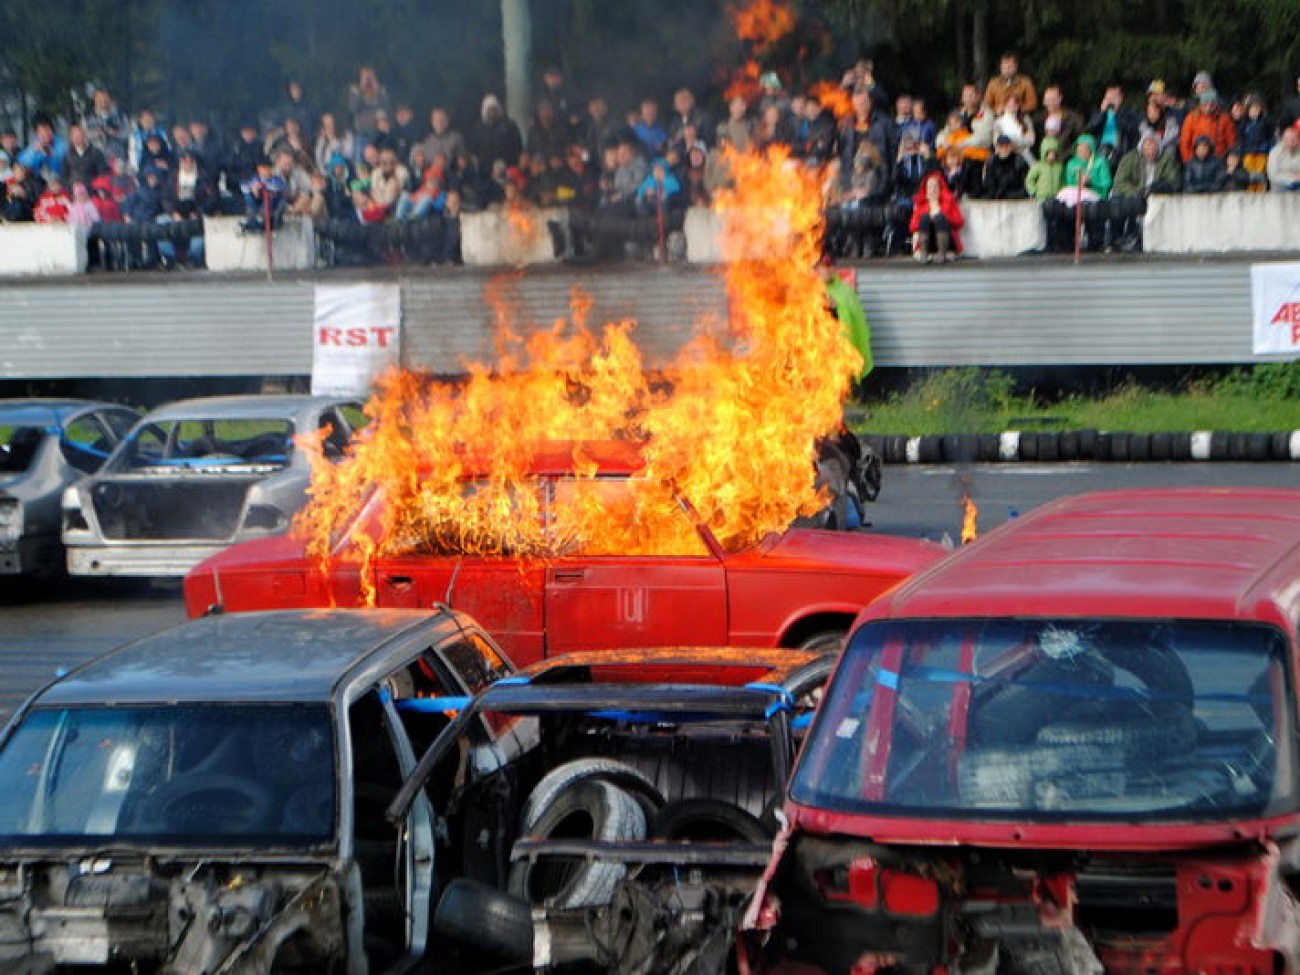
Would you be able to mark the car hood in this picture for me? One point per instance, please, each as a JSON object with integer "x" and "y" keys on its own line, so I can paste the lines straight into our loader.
{"x": 855, "y": 551}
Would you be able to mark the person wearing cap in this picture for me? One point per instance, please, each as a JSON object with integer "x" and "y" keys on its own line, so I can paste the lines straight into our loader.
{"x": 1005, "y": 171}
{"x": 1284, "y": 161}
{"x": 1114, "y": 127}
{"x": 1208, "y": 120}
{"x": 1201, "y": 83}
{"x": 1008, "y": 83}
{"x": 496, "y": 136}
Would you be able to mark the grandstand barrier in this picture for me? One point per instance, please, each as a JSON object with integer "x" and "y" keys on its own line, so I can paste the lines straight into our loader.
{"x": 1002, "y": 228}
{"x": 1217, "y": 223}
{"x": 228, "y": 248}
{"x": 42, "y": 249}
{"x": 512, "y": 237}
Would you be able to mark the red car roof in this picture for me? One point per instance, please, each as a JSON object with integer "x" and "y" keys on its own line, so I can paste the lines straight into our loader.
{"x": 1193, "y": 553}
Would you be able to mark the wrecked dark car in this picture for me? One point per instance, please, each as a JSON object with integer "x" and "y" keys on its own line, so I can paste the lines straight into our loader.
{"x": 628, "y": 837}
{"x": 46, "y": 445}
{"x": 212, "y": 798}
{"x": 1069, "y": 748}
{"x": 197, "y": 476}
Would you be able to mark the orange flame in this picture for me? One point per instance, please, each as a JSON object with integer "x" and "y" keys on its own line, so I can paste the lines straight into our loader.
{"x": 730, "y": 425}
{"x": 762, "y": 22}
{"x": 969, "y": 526}
{"x": 744, "y": 82}
{"x": 833, "y": 97}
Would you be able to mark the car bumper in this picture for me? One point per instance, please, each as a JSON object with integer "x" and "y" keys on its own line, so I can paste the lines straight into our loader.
{"x": 151, "y": 561}
{"x": 28, "y": 555}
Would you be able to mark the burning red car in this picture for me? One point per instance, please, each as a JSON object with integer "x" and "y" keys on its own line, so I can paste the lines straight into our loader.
{"x": 1070, "y": 748}
{"x": 666, "y": 584}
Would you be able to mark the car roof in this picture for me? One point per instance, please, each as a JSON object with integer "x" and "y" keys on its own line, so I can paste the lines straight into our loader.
{"x": 280, "y": 655}
{"x": 49, "y": 412}
{"x": 243, "y": 407}
{"x": 1196, "y": 553}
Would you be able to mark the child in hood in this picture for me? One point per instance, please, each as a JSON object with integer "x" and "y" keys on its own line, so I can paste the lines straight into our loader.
{"x": 1047, "y": 176}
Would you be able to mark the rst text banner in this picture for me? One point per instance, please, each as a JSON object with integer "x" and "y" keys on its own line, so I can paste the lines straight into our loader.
{"x": 356, "y": 335}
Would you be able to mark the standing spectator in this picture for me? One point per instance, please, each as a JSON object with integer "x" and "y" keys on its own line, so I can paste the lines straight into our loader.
{"x": 1046, "y": 177}
{"x": 647, "y": 129}
{"x": 815, "y": 133}
{"x": 862, "y": 77}
{"x": 686, "y": 113}
{"x": 548, "y": 135}
{"x": 1201, "y": 84}
{"x": 1204, "y": 171}
{"x": 145, "y": 126}
{"x": 1290, "y": 111}
{"x": 1284, "y": 161}
{"x": 44, "y": 154}
{"x": 557, "y": 93}
{"x": 773, "y": 129}
{"x": 1056, "y": 121}
{"x": 53, "y": 205}
{"x": 597, "y": 131}
{"x": 936, "y": 219}
{"x": 244, "y": 157}
{"x": 297, "y": 107}
{"x": 106, "y": 126}
{"x": 1113, "y": 127}
{"x": 330, "y": 142}
{"x": 366, "y": 100}
{"x": 496, "y": 137}
{"x": 1017, "y": 127}
{"x": 1162, "y": 125}
{"x": 442, "y": 139}
{"x": 867, "y": 124}
{"x": 1005, "y": 171}
{"x": 83, "y": 161}
{"x": 1208, "y": 120}
{"x": 209, "y": 146}
{"x": 1009, "y": 82}
{"x": 1255, "y": 136}
{"x": 924, "y": 125}
{"x": 389, "y": 181}
{"x": 978, "y": 119}
{"x": 403, "y": 133}
{"x": 738, "y": 129}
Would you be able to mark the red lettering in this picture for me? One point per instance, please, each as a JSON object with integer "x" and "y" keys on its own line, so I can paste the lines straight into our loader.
{"x": 331, "y": 336}
{"x": 1295, "y": 333}
{"x": 356, "y": 336}
{"x": 1287, "y": 313}
{"x": 381, "y": 333}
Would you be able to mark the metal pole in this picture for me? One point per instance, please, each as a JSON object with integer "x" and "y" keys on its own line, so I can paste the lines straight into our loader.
{"x": 1078, "y": 218}
{"x": 266, "y": 226}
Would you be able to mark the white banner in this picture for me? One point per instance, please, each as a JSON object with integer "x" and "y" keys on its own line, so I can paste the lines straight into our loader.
{"x": 1275, "y": 295}
{"x": 356, "y": 335}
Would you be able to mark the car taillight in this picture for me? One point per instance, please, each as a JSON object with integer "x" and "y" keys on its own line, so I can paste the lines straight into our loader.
{"x": 869, "y": 885}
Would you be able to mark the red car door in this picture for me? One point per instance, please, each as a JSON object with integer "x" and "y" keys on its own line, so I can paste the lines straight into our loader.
{"x": 631, "y": 588}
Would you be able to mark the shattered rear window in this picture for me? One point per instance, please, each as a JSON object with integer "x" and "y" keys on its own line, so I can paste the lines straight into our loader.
{"x": 182, "y": 773}
{"x": 213, "y": 446}
{"x": 1055, "y": 719}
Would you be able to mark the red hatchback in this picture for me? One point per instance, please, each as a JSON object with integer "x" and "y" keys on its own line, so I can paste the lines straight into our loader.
{"x": 1069, "y": 748}
{"x": 801, "y": 588}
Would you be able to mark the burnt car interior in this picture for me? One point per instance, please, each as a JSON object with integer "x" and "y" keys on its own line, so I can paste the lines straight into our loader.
{"x": 18, "y": 446}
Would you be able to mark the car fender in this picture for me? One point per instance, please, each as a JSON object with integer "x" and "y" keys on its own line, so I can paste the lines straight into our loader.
{"x": 843, "y": 612}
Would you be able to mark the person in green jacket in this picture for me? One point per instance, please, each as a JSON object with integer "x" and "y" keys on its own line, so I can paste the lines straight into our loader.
{"x": 1087, "y": 184}
{"x": 1088, "y": 169}
{"x": 1142, "y": 171}
{"x": 1047, "y": 176}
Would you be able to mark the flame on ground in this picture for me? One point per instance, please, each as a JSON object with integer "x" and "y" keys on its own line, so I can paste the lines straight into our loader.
{"x": 969, "y": 521}
{"x": 730, "y": 426}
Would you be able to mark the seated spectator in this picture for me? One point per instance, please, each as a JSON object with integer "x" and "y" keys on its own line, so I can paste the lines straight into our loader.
{"x": 1046, "y": 177}
{"x": 146, "y": 125}
{"x": 496, "y": 137}
{"x": 1113, "y": 127}
{"x": 288, "y": 166}
{"x": 868, "y": 180}
{"x": 365, "y": 209}
{"x": 290, "y": 138}
{"x": 54, "y": 204}
{"x": 106, "y": 202}
{"x": 106, "y": 126}
{"x": 1142, "y": 172}
{"x": 773, "y": 129}
{"x": 923, "y": 125}
{"x": 1004, "y": 172}
{"x": 331, "y": 142}
{"x": 22, "y": 189}
{"x": 597, "y": 131}
{"x": 44, "y": 155}
{"x": 1016, "y": 126}
{"x": 428, "y": 198}
{"x": 209, "y": 146}
{"x": 954, "y": 133}
{"x": 190, "y": 192}
{"x": 936, "y": 220}
{"x": 717, "y": 170}
{"x": 442, "y": 139}
{"x": 1055, "y": 121}
{"x": 1087, "y": 184}
{"x": 958, "y": 172}
{"x": 631, "y": 171}
{"x": 814, "y": 133}
{"x": 403, "y": 134}
{"x": 83, "y": 161}
{"x": 1237, "y": 179}
{"x": 696, "y": 185}
{"x": 659, "y": 192}
{"x": 1284, "y": 162}
{"x": 9, "y": 150}
{"x": 388, "y": 181}
{"x": 913, "y": 162}
{"x": 265, "y": 198}
{"x": 1208, "y": 120}
{"x": 154, "y": 154}
{"x": 738, "y": 127}
{"x": 1204, "y": 171}
{"x": 647, "y": 129}
{"x": 1010, "y": 83}
{"x": 686, "y": 113}
{"x": 1161, "y": 124}
{"x": 1290, "y": 111}
{"x": 1255, "y": 136}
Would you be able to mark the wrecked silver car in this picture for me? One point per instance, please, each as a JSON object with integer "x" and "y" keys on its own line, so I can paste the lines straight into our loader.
{"x": 197, "y": 476}
{"x": 46, "y": 445}
{"x": 212, "y": 798}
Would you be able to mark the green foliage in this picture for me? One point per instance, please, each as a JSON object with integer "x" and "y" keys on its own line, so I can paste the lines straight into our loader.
{"x": 1272, "y": 381}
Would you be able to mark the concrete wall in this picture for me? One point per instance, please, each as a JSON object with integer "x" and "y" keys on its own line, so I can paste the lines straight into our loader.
{"x": 42, "y": 249}
{"x": 1217, "y": 223}
{"x": 229, "y": 248}
{"x": 510, "y": 239}
{"x": 1002, "y": 228}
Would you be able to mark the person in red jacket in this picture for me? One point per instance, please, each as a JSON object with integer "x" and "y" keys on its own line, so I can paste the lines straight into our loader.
{"x": 54, "y": 203}
{"x": 1208, "y": 120}
{"x": 936, "y": 218}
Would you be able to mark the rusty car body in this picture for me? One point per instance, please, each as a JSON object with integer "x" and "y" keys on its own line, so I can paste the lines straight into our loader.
{"x": 1069, "y": 748}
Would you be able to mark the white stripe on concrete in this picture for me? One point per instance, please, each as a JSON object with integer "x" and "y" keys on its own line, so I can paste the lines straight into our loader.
{"x": 1201, "y": 445}
{"x": 1009, "y": 445}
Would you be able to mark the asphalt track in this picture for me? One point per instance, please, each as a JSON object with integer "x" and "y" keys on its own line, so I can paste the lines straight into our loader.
{"x": 43, "y": 630}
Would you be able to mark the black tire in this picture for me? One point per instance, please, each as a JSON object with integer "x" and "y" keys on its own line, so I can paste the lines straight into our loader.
{"x": 1180, "y": 446}
{"x": 1161, "y": 447}
{"x": 1088, "y": 444}
{"x": 1049, "y": 447}
{"x": 708, "y": 820}
{"x": 1257, "y": 446}
{"x": 1139, "y": 446}
{"x": 491, "y": 920}
{"x": 1029, "y": 446}
{"x": 1068, "y": 444}
{"x": 593, "y": 809}
{"x": 209, "y": 803}
{"x": 631, "y": 780}
{"x": 1279, "y": 445}
{"x": 1219, "y": 444}
{"x": 988, "y": 448}
{"x": 825, "y": 641}
{"x": 928, "y": 449}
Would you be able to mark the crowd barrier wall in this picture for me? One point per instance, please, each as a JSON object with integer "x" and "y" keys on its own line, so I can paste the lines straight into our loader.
{"x": 42, "y": 249}
{"x": 228, "y": 247}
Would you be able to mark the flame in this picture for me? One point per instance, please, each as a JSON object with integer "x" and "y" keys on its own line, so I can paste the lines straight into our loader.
{"x": 744, "y": 82}
{"x": 762, "y": 22}
{"x": 833, "y": 97}
{"x": 522, "y": 227}
{"x": 969, "y": 526}
{"x": 730, "y": 426}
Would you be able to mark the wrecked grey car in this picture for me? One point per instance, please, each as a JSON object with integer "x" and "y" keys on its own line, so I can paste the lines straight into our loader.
{"x": 46, "y": 445}
{"x": 212, "y": 798}
{"x": 197, "y": 476}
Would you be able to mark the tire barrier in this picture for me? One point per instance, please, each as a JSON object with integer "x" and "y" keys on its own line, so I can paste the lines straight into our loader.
{"x": 1053, "y": 446}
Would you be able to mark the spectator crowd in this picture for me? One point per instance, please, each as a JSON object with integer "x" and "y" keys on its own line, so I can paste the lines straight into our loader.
{"x": 383, "y": 183}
